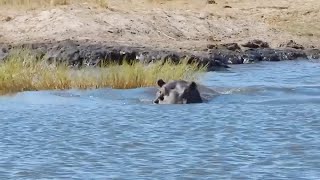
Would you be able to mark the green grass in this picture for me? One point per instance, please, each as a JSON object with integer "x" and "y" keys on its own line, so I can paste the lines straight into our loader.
{"x": 22, "y": 71}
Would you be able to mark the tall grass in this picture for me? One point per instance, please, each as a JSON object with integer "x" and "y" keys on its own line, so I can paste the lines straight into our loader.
{"x": 22, "y": 71}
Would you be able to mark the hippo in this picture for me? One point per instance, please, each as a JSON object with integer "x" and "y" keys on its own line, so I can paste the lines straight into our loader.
{"x": 177, "y": 92}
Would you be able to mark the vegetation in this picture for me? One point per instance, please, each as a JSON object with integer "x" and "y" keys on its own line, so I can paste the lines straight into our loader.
{"x": 22, "y": 71}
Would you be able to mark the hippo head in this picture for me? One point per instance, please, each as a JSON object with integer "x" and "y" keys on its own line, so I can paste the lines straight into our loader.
{"x": 177, "y": 92}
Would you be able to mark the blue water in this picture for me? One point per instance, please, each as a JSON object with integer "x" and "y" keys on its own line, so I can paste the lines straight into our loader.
{"x": 264, "y": 125}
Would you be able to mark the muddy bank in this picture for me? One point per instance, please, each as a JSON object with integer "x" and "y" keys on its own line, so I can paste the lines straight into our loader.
{"x": 216, "y": 56}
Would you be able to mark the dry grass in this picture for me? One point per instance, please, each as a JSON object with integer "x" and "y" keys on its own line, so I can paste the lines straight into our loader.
{"x": 23, "y": 72}
{"x": 45, "y": 3}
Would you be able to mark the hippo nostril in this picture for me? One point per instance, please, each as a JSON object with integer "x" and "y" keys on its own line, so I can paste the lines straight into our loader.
{"x": 156, "y": 101}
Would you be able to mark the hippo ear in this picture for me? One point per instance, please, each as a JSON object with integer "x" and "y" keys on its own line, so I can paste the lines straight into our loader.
{"x": 193, "y": 86}
{"x": 160, "y": 82}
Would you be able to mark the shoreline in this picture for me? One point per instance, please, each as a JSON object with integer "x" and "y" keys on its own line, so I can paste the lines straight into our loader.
{"x": 217, "y": 33}
{"x": 215, "y": 56}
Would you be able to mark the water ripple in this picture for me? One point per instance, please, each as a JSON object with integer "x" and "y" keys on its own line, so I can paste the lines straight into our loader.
{"x": 264, "y": 125}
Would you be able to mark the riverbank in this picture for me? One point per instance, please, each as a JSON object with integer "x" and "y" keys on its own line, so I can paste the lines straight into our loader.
{"x": 210, "y": 32}
{"x": 214, "y": 57}
{"x": 24, "y": 70}
{"x": 176, "y": 25}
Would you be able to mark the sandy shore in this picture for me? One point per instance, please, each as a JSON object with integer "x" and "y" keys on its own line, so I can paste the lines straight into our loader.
{"x": 216, "y": 34}
{"x": 175, "y": 25}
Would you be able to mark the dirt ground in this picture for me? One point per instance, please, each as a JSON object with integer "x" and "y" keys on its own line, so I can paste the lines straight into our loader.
{"x": 177, "y": 25}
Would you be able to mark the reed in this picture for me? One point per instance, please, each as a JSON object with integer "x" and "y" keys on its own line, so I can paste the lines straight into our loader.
{"x": 22, "y": 71}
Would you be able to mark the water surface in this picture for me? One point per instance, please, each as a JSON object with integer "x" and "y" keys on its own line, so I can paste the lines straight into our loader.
{"x": 264, "y": 125}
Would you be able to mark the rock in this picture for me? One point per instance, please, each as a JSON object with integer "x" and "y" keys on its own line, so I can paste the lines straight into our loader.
{"x": 313, "y": 53}
{"x": 230, "y": 58}
{"x": 218, "y": 56}
{"x": 268, "y": 54}
{"x": 227, "y": 46}
{"x": 255, "y": 55}
{"x": 206, "y": 60}
{"x": 231, "y": 46}
{"x": 256, "y": 44}
{"x": 5, "y": 18}
{"x": 251, "y": 57}
{"x": 215, "y": 65}
{"x": 292, "y": 54}
{"x": 292, "y": 44}
{"x": 153, "y": 56}
{"x": 8, "y": 18}
{"x": 171, "y": 56}
{"x": 211, "y": 2}
{"x": 65, "y": 51}
{"x": 226, "y": 56}
{"x": 3, "y": 52}
{"x": 211, "y": 46}
{"x": 145, "y": 57}
{"x": 94, "y": 57}
{"x": 204, "y": 15}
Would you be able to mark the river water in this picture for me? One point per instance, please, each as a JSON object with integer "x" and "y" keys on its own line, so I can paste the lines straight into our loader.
{"x": 264, "y": 125}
